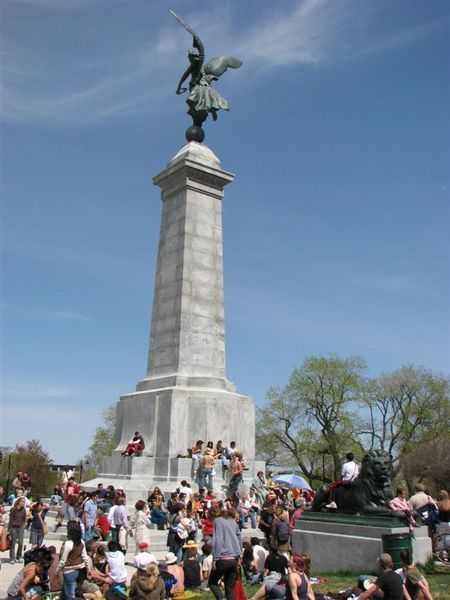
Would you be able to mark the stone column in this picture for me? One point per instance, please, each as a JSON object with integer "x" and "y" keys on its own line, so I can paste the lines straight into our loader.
{"x": 185, "y": 395}
{"x": 187, "y": 342}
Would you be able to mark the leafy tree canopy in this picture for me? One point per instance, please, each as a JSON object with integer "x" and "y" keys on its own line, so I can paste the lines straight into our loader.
{"x": 33, "y": 459}
{"x": 103, "y": 442}
{"x": 329, "y": 407}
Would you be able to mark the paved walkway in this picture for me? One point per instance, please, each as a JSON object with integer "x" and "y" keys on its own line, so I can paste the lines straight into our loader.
{"x": 157, "y": 547}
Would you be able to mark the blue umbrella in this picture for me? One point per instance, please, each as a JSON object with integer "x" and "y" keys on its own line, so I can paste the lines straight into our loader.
{"x": 292, "y": 480}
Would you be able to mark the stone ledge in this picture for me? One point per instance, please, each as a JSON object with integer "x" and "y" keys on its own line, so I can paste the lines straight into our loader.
{"x": 351, "y": 546}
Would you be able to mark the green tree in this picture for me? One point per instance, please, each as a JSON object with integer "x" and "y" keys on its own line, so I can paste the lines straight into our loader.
{"x": 281, "y": 433}
{"x": 428, "y": 461}
{"x": 32, "y": 458}
{"x": 103, "y": 442}
{"x": 328, "y": 390}
{"x": 314, "y": 413}
{"x": 405, "y": 408}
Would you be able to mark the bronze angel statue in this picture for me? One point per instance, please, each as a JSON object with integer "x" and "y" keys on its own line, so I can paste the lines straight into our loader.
{"x": 203, "y": 98}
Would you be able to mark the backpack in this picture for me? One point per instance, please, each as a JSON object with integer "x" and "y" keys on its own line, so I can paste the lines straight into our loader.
{"x": 429, "y": 514}
{"x": 283, "y": 531}
{"x": 169, "y": 581}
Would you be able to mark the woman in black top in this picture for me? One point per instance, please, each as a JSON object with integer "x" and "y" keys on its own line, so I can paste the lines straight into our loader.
{"x": 38, "y": 513}
{"x": 389, "y": 582}
{"x": 276, "y": 562}
{"x": 191, "y": 567}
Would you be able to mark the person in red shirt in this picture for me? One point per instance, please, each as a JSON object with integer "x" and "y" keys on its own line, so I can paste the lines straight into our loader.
{"x": 70, "y": 490}
{"x": 102, "y": 526}
{"x": 207, "y": 526}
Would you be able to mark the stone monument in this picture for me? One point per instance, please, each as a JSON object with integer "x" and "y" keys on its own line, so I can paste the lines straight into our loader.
{"x": 185, "y": 395}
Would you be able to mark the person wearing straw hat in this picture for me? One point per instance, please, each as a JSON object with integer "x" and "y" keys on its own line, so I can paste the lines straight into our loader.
{"x": 191, "y": 566}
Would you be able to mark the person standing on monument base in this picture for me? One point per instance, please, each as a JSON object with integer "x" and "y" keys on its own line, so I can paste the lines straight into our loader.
{"x": 207, "y": 469}
{"x": 197, "y": 450}
{"x": 236, "y": 469}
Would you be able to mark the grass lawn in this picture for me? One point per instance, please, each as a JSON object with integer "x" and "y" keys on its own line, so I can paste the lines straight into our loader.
{"x": 335, "y": 582}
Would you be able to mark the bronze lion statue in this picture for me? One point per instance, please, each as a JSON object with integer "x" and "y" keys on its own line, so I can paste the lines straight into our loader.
{"x": 368, "y": 494}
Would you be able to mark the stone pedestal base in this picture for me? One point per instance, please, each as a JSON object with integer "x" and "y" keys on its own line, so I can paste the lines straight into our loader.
{"x": 139, "y": 474}
{"x": 346, "y": 546}
{"x": 172, "y": 419}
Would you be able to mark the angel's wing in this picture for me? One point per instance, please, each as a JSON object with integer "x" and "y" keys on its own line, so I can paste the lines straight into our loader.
{"x": 219, "y": 64}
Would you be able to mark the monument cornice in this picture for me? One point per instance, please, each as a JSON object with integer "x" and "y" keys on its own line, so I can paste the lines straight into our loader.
{"x": 190, "y": 175}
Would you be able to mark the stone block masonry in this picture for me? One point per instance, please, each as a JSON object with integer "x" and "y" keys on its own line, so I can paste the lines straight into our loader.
{"x": 185, "y": 394}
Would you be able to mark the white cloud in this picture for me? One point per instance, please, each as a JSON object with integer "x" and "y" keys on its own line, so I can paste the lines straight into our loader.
{"x": 42, "y": 85}
{"x": 42, "y": 314}
{"x": 27, "y": 391}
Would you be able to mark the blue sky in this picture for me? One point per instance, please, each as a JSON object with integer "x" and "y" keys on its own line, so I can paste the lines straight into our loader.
{"x": 335, "y": 228}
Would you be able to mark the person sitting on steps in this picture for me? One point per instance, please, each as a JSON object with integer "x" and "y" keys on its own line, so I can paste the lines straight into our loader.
{"x": 135, "y": 445}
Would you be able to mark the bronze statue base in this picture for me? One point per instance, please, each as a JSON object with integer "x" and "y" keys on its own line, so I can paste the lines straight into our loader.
{"x": 194, "y": 133}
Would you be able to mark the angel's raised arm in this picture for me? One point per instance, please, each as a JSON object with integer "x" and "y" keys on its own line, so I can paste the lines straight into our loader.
{"x": 196, "y": 41}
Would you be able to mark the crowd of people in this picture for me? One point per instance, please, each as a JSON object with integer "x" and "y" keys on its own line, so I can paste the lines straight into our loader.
{"x": 206, "y": 544}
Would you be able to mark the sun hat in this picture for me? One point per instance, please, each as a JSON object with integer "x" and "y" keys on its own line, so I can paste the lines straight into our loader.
{"x": 170, "y": 558}
{"x": 142, "y": 560}
{"x": 190, "y": 544}
{"x": 367, "y": 583}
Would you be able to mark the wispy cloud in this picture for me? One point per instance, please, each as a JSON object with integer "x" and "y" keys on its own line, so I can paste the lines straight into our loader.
{"x": 68, "y": 5}
{"x": 322, "y": 32}
{"x": 42, "y": 314}
{"x": 44, "y": 84}
{"x": 38, "y": 391}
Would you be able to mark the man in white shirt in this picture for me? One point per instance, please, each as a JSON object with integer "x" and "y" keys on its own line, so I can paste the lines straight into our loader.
{"x": 349, "y": 473}
{"x": 350, "y": 469}
{"x": 185, "y": 489}
{"x": 259, "y": 558}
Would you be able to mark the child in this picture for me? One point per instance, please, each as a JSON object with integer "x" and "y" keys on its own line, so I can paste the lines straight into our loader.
{"x": 206, "y": 564}
{"x": 116, "y": 565}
